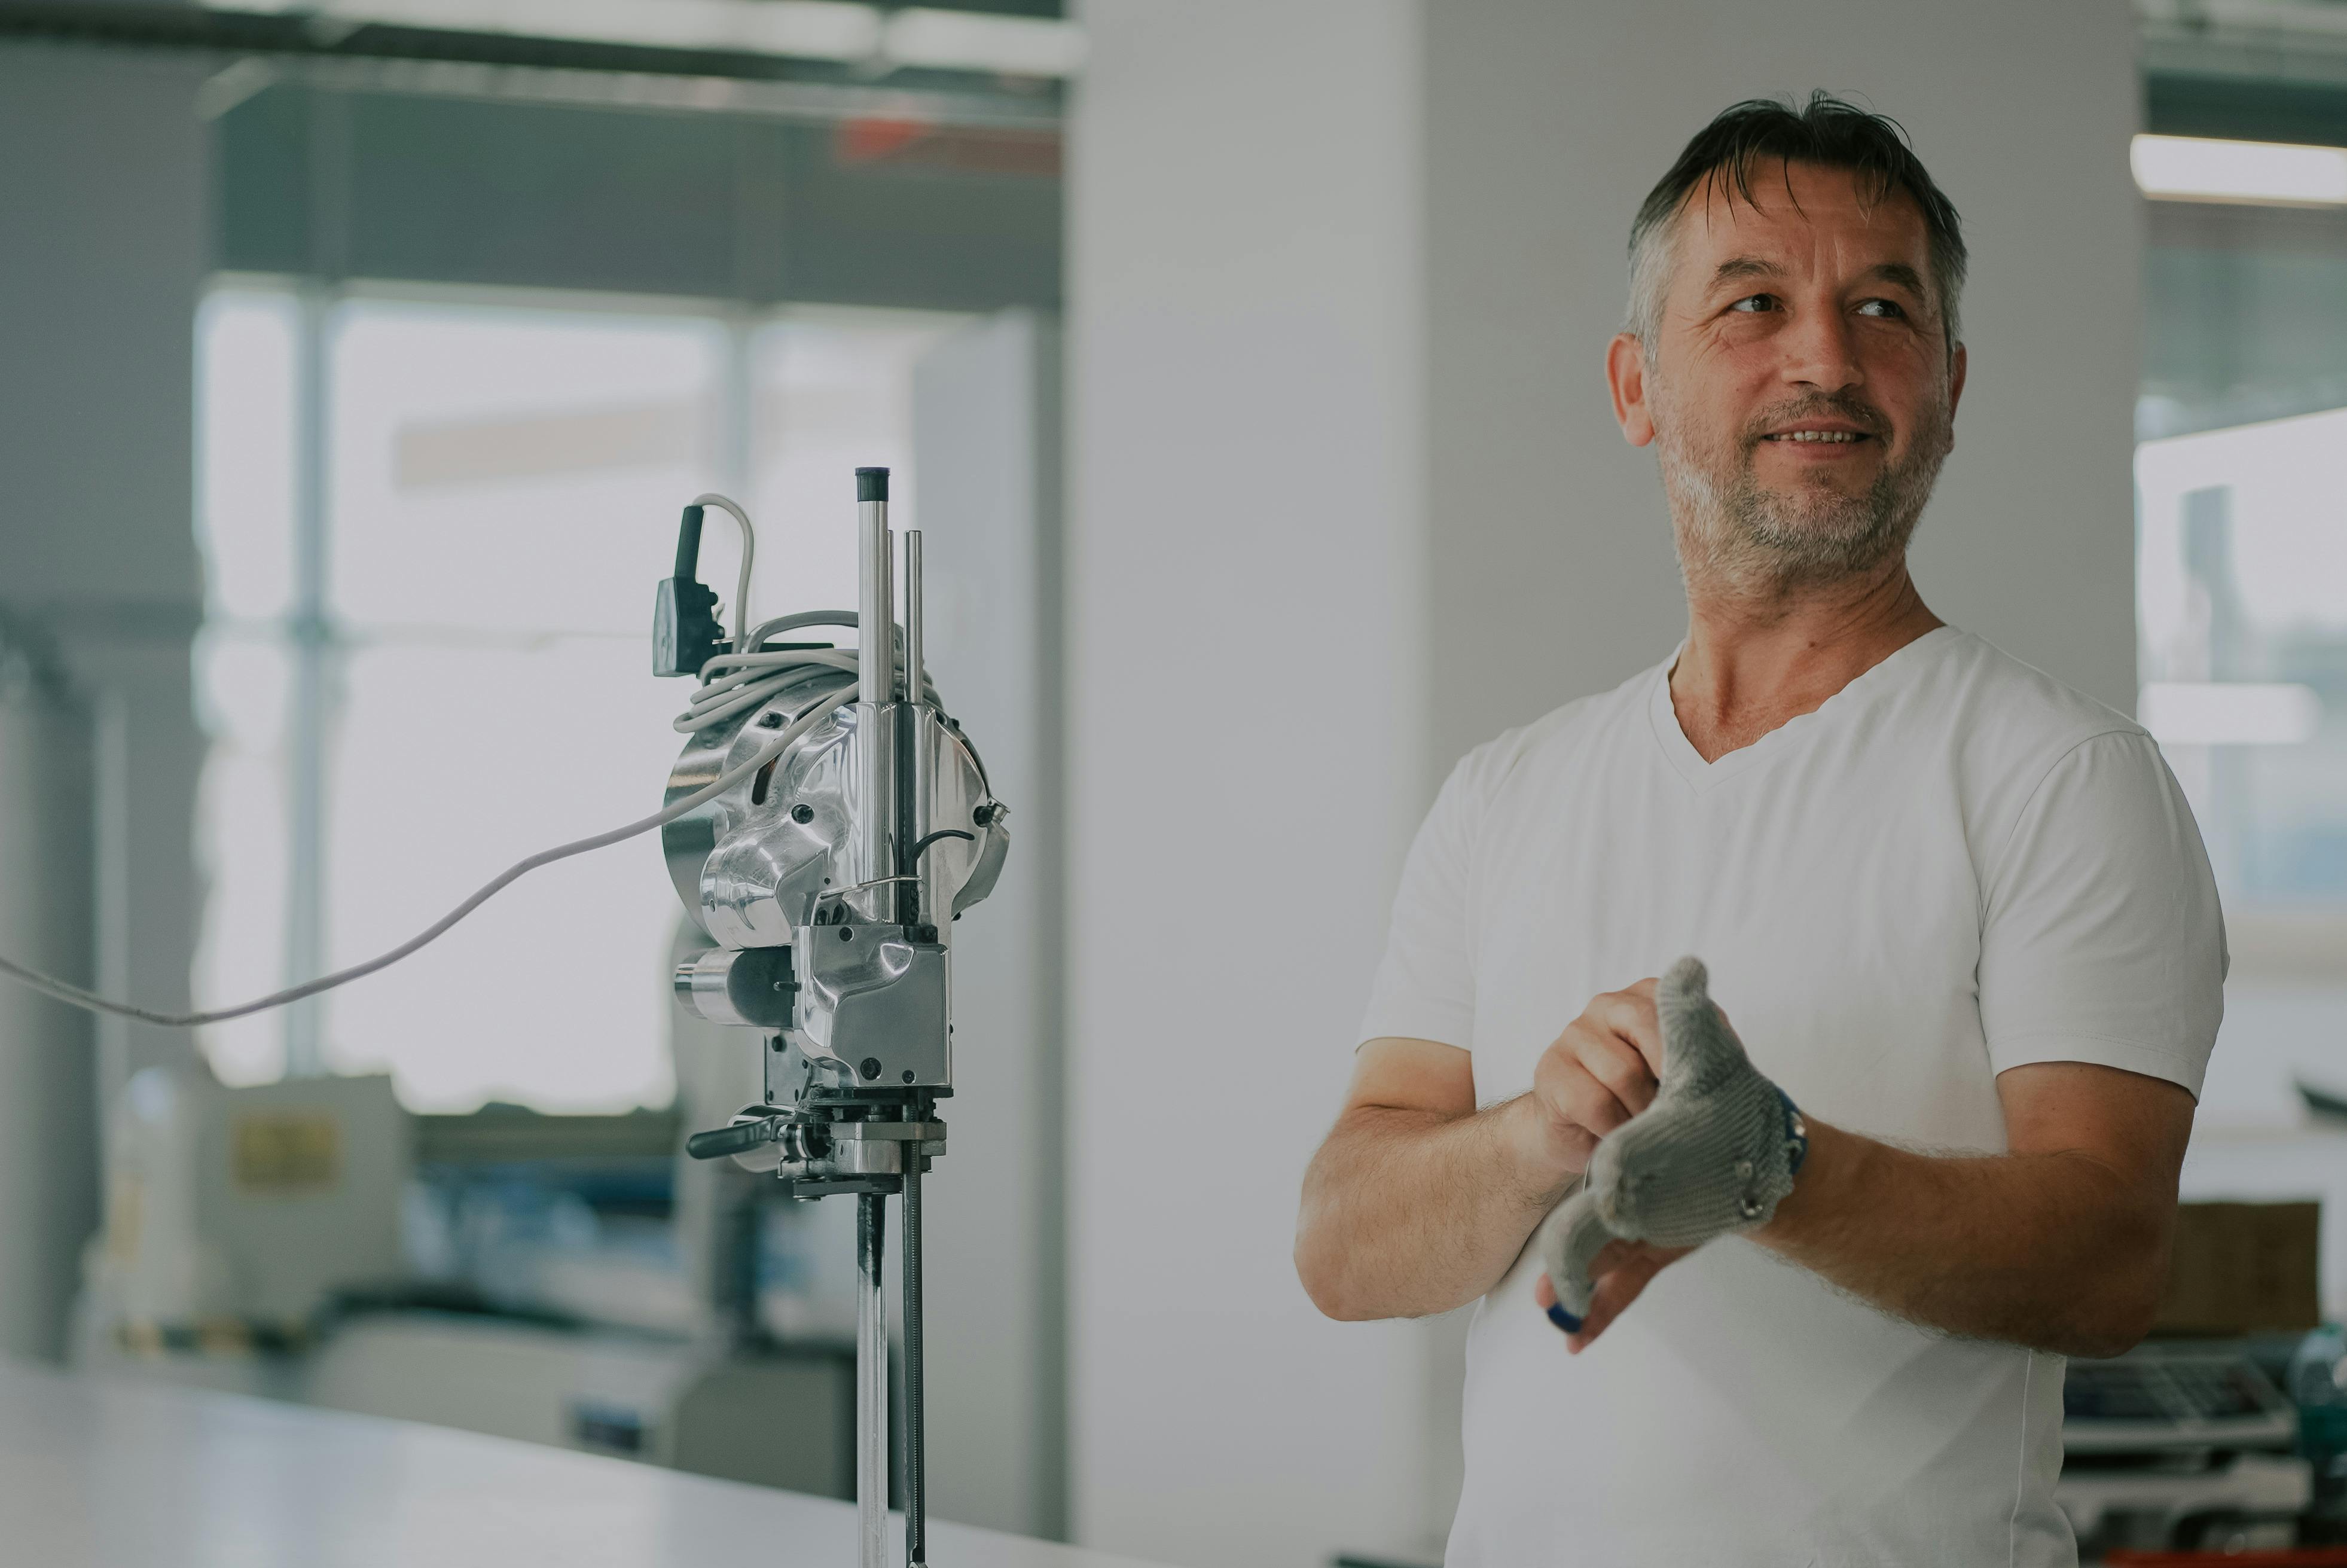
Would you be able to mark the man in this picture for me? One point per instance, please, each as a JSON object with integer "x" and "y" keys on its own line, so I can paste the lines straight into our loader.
{"x": 1958, "y": 915}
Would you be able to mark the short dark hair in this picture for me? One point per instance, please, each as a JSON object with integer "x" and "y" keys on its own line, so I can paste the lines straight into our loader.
{"x": 1826, "y": 132}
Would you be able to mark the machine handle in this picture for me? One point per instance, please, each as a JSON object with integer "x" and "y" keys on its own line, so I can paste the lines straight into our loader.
{"x": 742, "y": 1137}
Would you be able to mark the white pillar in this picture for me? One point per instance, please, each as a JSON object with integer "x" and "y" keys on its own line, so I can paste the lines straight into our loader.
{"x": 101, "y": 259}
{"x": 1348, "y": 498}
{"x": 1243, "y": 669}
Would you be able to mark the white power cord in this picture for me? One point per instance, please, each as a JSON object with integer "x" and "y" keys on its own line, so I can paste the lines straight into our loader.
{"x": 749, "y": 553}
{"x": 730, "y": 683}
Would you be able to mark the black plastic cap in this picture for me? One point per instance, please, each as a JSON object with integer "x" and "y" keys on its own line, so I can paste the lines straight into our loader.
{"x": 872, "y": 484}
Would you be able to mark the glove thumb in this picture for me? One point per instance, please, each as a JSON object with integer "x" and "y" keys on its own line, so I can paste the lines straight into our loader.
{"x": 1698, "y": 1047}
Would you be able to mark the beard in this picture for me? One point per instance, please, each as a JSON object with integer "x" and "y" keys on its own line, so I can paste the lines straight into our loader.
{"x": 1739, "y": 534}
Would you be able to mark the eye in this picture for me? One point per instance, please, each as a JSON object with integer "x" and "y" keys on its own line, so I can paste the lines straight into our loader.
{"x": 1889, "y": 309}
{"x": 1753, "y": 304}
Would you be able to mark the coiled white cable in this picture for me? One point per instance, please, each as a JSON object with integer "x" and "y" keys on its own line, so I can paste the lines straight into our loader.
{"x": 731, "y": 684}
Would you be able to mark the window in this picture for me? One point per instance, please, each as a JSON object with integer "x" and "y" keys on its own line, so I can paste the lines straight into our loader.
{"x": 2241, "y": 492}
{"x": 432, "y": 526}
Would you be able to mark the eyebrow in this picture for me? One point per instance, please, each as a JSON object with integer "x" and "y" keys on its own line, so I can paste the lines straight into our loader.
{"x": 1738, "y": 267}
{"x": 1901, "y": 274}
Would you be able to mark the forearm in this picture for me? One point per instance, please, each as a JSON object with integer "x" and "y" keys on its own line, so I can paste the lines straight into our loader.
{"x": 1411, "y": 1213}
{"x": 2058, "y": 1250}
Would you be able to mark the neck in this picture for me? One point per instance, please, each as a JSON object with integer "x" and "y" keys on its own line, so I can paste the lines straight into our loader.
{"x": 1753, "y": 661}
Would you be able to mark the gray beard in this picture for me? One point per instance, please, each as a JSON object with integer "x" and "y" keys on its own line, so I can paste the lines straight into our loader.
{"x": 1737, "y": 535}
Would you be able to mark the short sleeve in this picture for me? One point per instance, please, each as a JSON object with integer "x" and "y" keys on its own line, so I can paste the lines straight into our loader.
{"x": 1425, "y": 985}
{"x": 2101, "y": 940}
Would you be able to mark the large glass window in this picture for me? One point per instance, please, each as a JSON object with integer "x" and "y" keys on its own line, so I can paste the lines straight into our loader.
{"x": 432, "y": 527}
{"x": 2241, "y": 491}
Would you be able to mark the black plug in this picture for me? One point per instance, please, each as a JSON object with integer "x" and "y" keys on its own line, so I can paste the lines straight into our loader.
{"x": 685, "y": 633}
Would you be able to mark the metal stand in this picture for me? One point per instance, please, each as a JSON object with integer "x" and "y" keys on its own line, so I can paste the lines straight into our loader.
{"x": 871, "y": 1384}
{"x": 872, "y": 1378}
{"x": 916, "y": 1546}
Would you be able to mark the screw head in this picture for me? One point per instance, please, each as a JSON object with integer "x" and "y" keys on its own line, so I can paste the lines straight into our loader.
{"x": 770, "y": 721}
{"x": 871, "y": 1067}
{"x": 908, "y": 1075}
{"x": 803, "y": 814}
{"x": 848, "y": 933}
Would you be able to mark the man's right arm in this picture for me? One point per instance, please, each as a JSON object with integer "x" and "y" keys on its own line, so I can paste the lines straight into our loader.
{"x": 1418, "y": 1203}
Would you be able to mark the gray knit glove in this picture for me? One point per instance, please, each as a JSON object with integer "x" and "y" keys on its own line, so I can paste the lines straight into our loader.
{"x": 1714, "y": 1154}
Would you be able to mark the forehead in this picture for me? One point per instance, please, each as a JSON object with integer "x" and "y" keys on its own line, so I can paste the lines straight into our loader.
{"x": 1799, "y": 212}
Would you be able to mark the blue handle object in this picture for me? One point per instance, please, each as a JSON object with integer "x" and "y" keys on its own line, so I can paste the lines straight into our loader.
{"x": 1563, "y": 1320}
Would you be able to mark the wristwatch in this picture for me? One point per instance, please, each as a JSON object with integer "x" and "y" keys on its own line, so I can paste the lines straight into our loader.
{"x": 1797, "y": 1134}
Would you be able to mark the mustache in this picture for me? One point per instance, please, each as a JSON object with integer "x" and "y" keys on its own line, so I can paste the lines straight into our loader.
{"x": 1818, "y": 406}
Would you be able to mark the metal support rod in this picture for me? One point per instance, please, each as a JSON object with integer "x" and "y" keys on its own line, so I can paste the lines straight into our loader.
{"x": 916, "y": 759}
{"x": 913, "y": 615}
{"x": 875, "y": 616}
{"x": 875, "y": 679}
{"x": 917, "y": 1524}
{"x": 871, "y": 1384}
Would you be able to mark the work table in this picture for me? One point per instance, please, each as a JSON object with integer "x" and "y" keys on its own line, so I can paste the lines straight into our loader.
{"x": 116, "y": 1474}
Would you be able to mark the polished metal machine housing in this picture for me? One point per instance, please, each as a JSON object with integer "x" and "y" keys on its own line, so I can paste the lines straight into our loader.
{"x": 829, "y": 879}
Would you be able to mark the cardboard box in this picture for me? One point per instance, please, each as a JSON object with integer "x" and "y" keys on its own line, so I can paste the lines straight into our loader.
{"x": 2243, "y": 1268}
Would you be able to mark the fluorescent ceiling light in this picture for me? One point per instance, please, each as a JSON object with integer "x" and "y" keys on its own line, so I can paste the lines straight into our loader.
{"x": 845, "y": 30}
{"x": 2267, "y": 173}
{"x": 2228, "y": 714}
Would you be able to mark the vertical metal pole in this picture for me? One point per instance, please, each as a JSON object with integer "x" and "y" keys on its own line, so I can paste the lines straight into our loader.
{"x": 871, "y": 1384}
{"x": 913, "y": 615}
{"x": 917, "y": 737}
{"x": 917, "y": 1525}
{"x": 876, "y": 730}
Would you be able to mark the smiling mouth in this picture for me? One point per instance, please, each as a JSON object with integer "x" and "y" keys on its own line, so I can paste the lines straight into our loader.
{"x": 1827, "y": 437}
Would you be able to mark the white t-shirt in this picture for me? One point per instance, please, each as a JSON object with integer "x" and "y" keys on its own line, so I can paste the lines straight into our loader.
{"x": 1955, "y": 867}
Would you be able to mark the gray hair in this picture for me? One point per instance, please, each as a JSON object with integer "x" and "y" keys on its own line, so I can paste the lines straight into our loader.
{"x": 1826, "y": 132}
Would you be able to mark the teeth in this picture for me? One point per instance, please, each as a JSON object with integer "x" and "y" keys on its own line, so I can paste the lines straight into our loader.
{"x": 1816, "y": 435}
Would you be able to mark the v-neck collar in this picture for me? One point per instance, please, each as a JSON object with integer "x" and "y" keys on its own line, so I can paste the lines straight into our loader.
{"x": 1700, "y": 775}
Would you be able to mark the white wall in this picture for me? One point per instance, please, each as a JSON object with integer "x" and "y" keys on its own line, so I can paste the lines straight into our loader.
{"x": 1347, "y": 500}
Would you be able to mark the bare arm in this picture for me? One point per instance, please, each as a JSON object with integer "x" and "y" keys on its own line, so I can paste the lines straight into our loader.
{"x": 2061, "y": 1242}
{"x": 1418, "y": 1203}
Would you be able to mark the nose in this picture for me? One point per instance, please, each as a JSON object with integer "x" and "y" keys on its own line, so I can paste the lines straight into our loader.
{"x": 1820, "y": 351}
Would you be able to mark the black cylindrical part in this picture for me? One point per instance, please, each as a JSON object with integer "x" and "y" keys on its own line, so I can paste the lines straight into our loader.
{"x": 872, "y": 484}
{"x": 688, "y": 546}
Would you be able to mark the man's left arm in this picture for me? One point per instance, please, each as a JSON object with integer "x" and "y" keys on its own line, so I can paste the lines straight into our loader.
{"x": 2061, "y": 1243}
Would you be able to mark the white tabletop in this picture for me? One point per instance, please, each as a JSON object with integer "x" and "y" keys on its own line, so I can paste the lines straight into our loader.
{"x": 116, "y": 1474}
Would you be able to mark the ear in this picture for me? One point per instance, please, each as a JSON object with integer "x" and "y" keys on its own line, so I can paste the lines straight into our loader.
{"x": 1957, "y": 362}
{"x": 1625, "y": 378}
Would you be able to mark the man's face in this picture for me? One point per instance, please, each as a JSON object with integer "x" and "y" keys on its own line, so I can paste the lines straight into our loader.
{"x": 1800, "y": 387}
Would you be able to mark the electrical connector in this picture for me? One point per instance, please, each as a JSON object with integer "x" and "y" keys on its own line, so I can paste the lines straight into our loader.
{"x": 685, "y": 633}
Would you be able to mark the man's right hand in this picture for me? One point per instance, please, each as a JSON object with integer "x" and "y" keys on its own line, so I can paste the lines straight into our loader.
{"x": 1601, "y": 1072}
{"x": 1418, "y": 1203}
